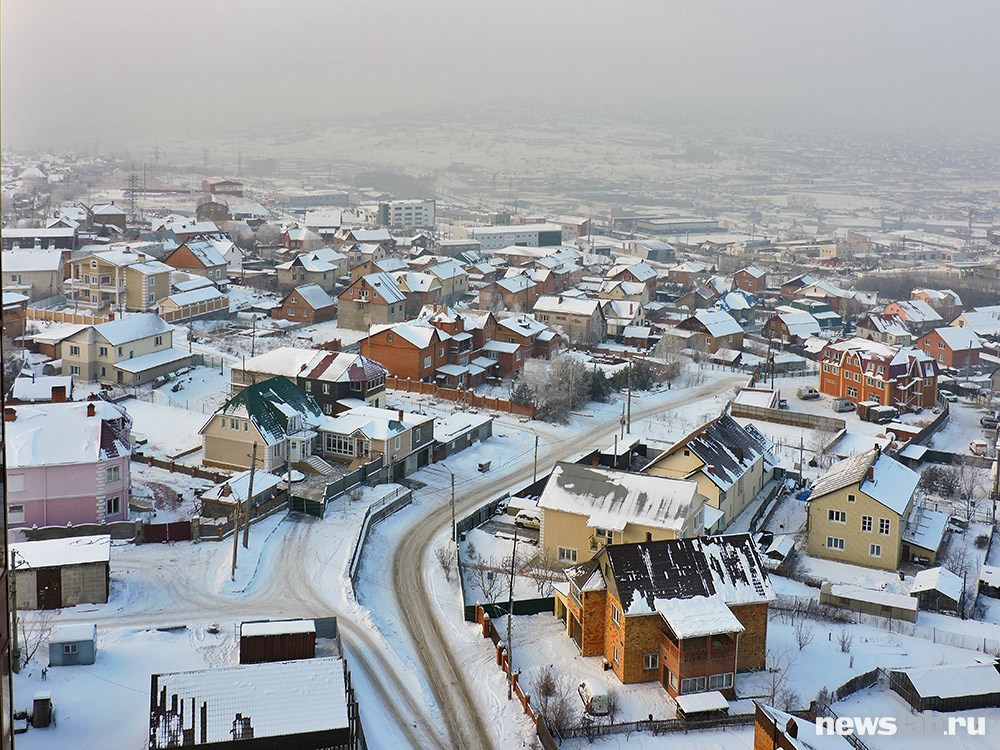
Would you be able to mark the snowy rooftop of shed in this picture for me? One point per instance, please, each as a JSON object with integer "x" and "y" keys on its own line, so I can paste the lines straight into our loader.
{"x": 50, "y": 553}
{"x": 277, "y": 627}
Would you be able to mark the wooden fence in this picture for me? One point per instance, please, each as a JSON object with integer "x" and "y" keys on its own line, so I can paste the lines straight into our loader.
{"x": 66, "y": 316}
{"x": 464, "y": 397}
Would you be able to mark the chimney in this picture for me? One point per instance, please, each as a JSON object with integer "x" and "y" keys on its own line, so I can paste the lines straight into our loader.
{"x": 226, "y": 491}
{"x": 9, "y": 414}
{"x": 400, "y": 412}
{"x": 93, "y": 397}
{"x": 871, "y": 472}
{"x": 560, "y": 299}
{"x": 791, "y": 729}
{"x": 91, "y": 409}
{"x": 58, "y": 394}
{"x": 127, "y": 249}
{"x": 710, "y": 468}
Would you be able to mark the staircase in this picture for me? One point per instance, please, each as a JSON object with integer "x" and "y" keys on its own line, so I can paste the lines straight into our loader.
{"x": 317, "y": 465}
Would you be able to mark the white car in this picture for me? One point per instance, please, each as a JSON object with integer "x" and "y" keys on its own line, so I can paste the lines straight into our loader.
{"x": 526, "y": 519}
{"x": 951, "y": 398}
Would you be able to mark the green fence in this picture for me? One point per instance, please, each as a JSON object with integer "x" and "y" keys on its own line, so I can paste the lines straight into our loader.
{"x": 307, "y": 506}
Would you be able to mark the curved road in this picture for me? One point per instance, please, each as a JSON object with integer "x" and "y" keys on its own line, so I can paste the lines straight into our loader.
{"x": 445, "y": 676}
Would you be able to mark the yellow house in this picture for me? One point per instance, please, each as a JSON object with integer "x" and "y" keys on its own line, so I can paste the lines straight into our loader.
{"x": 863, "y": 511}
{"x": 729, "y": 462}
{"x": 584, "y": 508}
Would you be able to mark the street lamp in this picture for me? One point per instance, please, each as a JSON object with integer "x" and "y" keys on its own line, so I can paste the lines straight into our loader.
{"x": 454, "y": 535}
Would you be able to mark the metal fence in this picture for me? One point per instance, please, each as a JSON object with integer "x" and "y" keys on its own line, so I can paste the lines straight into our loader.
{"x": 656, "y": 726}
{"x": 377, "y": 511}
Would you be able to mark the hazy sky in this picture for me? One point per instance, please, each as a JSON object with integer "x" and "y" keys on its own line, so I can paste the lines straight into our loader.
{"x": 76, "y": 71}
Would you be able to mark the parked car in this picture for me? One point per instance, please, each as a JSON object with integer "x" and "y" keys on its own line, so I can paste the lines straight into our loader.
{"x": 951, "y": 398}
{"x": 807, "y": 392}
{"x": 842, "y": 404}
{"x": 594, "y": 697}
{"x": 979, "y": 447}
{"x": 990, "y": 422}
{"x": 528, "y": 519}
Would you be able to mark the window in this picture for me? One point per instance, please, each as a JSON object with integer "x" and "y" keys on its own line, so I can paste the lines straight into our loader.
{"x": 884, "y": 526}
{"x": 326, "y": 389}
{"x": 673, "y": 680}
{"x": 15, "y": 278}
{"x": 566, "y": 554}
{"x": 232, "y": 424}
{"x": 852, "y": 392}
{"x": 441, "y": 351}
{"x": 341, "y": 444}
{"x": 276, "y": 450}
{"x": 399, "y": 443}
{"x": 833, "y": 542}
{"x": 291, "y": 312}
{"x": 113, "y": 474}
{"x": 15, "y": 513}
{"x": 113, "y": 506}
{"x": 309, "y": 386}
{"x": 427, "y": 361}
{"x": 692, "y": 685}
{"x": 720, "y": 681}
{"x": 69, "y": 648}
{"x": 616, "y": 615}
{"x": 617, "y": 655}
{"x": 875, "y": 550}
{"x": 650, "y": 661}
{"x": 866, "y": 523}
{"x": 852, "y": 498}
{"x": 388, "y": 337}
{"x": 158, "y": 341}
{"x": 74, "y": 351}
{"x": 838, "y": 516}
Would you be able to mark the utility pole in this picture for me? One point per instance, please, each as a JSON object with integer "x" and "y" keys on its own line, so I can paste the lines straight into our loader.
{"x": 996, "y": 484}
{"x": 510, "y": 621}
{"x": 246, "y": 504}
{"x": 253, "y": 339}
{"x": 236, "y": 535}
{"x": 628, "y": 418}
{"x": 15, "y": 648}
{"x": 534, "y": 473}
{"x": 454, "y": 534}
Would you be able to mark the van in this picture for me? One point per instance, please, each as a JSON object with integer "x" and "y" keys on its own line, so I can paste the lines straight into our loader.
{"x": 528, "y": 519}
{"x": 979, "y": 447}
{"x": 594, "y": 696}
{"x": 807, "y": 392}
{"x": 842, "y": 404}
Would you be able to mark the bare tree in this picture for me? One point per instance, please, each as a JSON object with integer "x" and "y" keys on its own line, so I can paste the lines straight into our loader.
{"x": 803, "y": 633}
{"x": 969, "y": 483}
{"x": 614, "y": 705}
{"x": 845, "y": 639}
{"x": 34, "y": 630}
{"x": 446, "y": 555}
{"x": 779, "y": 663}
{"x": 543, "y": 569}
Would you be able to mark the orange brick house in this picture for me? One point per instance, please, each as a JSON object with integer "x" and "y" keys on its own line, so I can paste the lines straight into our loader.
{"x": 306, "y": 304}
{"x": 750, "y": 279}
{"x": 952, "y": 347}
{"x": 687, "y": 613}
{"x": 201, "y": 257}
{"x": 864, "y": 370}
{"x": 413, "y": 350}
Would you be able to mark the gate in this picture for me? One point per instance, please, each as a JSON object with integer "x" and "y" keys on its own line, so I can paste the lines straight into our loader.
{"x": 305, "y": 505}
{"x": 178, "y": 531}
{"x": 48, "y": 586}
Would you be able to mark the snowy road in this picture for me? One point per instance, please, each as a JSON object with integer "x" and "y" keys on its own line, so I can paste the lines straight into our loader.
{"x": 464, "y": 720}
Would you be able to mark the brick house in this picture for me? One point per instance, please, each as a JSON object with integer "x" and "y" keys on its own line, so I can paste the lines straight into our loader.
{"x": 863, "y": 370}
{"x": 636, "y": 273}
{"x": 751, "y": 279}
{"x": 323, "y": 266}
{"x": 373, "y": 299}
{"x": 516, "y": 293}
{"x": 686, "y": 613}
{"x": 791, "y": 327}
{"x": 299, "y": 238}
{"x": 420, "y": 289}
{"x": 952, "y": 347}
{"x": 329, "y": 377}
{"x": 454, "y": 280}
{"x": 356, "y": 236}
{"x": 414, "y": 349}
{"x": 201, "y": 257}
{"x": 946, "y": 302}
{"x": 306, "y": 304}
{"x": 536, "y": 338}
{"x": 15, "y": 314}
{"x": 779, "y": 730}
{"x": 220, "y": 186}
{"x": 887, "y": 329}
{"x": 917, "y": 314}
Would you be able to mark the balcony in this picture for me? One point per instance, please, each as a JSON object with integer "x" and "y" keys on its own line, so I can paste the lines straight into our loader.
{"x": 597, "y": 543}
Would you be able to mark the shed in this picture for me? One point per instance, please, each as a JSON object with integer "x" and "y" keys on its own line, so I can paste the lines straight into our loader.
{"x": 56, "y": 573}
{"x": 701, "y": 703}
{"x": 989, "y": 581}
{"x": 937, "y": 588}
{"x": 73, "y": 644}
{"x": 277, "y": 640}
{"x": 869, "y": 601}
{"x": 951, "y": 687}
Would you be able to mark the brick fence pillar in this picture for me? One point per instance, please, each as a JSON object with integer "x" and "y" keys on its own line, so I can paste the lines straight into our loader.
{"x": 500, "y": 654}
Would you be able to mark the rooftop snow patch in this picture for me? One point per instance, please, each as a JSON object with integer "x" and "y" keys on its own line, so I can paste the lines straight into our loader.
{"x": 51, "y": 553}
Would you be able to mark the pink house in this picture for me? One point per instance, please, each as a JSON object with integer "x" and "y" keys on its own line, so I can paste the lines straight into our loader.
{"x": 67, "y": 463}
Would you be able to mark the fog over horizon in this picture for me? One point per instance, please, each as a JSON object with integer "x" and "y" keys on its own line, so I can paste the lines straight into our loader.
{"x": 114, "y": 72}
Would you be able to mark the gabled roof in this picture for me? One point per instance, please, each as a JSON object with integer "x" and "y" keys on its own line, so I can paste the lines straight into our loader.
{"x": 937, "y": 579}
{"x": 15, "y": 261}
{"x": 519, "y": 282}
{"x": 641, "y": 271}
{"x": 205, "y": 252}
{"x": 132, "y": 328}
{"x": 891, "y": 325}
{"x": 523, "y": 324}
{"x": 420, "y": 333}
{"x": 384, "y": 286}
{"x": 756, "y": 271}
{"x": 716, "y": 322}
{"x": 612, "y": 499}
{"x": 691, "y": 582}
{"x": 918, "y": 311}
{"x": 892, "y": 484}
{"x": 38, "y": 436}
{"x": 567, "y": 305}
{"x": 269, "y": 404}
{"x": 313, "y": 295}
{"x": 956, "y": 338}
{"x": 414, "y": 281}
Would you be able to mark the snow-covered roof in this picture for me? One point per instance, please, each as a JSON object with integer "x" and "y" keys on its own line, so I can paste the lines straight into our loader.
{"x": 892, "y": 483}
{"x": 38, "y": 435}
{"x": 313, "y": 295}
{"x": 613, "y": 499}
{"x": 39, "y": 388}
{"x": 806, "y": 736}
{"x": 765, "y": 397}
{"x": 504, "y": 347}
{"x": 152, "y": 360}
{"x": 567, "y": 305}
{"x": 983, "y": 320}
{"x": 206, "y": 253}
{"x": 641, "y": 271}
{"x": 23, "y": 261}
{"x": 239, "y": 486}
{"x": 937, "y": 579}
{"x": 690, "y": 582}
{"x": 755, "y": 271}
{"x": 990, "y": 575}
{"x": 693, "y": 703}
{"x": 74, "y": 633}
{"x": 918, "y": 311}
{"x": 800, "y": 324}
{"x": 371, "y": 235}
{"x": 132, "y": 328}
{"x": 925, "y": 528}
{"x": 954, "y": 680}
{"x": 414, "y": 281}
{"x": 518, "y": 282}
{"x": 277, "y": 627}
{"x": 277, "y": 698}
{"x": 195, "y": 296}
{"x": 76, "y": 550}
{"x": 373, "y": 423}
{"x": 420, "y": 333}
{"x": 449, "y": 427}
{"x": 718, "y": 323}
{"x": 385, "y": 286}
{"x": 872, "y": 596}
{"x": 956, "y": 338}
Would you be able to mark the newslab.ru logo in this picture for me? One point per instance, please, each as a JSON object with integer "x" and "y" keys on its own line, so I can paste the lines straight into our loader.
{"x": 886, "y": 725}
